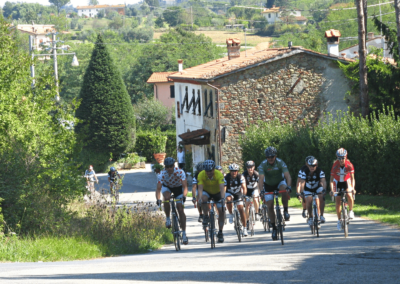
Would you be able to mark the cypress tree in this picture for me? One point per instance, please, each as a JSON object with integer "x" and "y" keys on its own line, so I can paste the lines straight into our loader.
{"x": 106, "y": 113}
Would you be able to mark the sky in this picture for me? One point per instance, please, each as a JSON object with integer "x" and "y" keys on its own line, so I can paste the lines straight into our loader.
{"x": 73, "y": 2}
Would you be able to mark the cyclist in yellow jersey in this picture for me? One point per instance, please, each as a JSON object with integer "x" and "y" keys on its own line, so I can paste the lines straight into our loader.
{"x": 211, "y": 184}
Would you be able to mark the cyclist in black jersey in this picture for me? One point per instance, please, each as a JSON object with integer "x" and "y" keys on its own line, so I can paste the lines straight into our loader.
{"x": 251, "y": 177}
{"x": 235, "y": 188}
{"x": 303, "y": 201}
{"x": 199, "y": 168}
{"x": 312, "y": 179}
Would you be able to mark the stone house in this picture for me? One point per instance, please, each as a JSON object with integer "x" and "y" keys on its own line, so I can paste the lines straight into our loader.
{"x": 163, "y": 88}
{"x": 274, "y": 15}
{"x": 216, "y": 101}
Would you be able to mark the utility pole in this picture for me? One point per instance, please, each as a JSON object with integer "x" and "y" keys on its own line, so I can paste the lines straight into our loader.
{"x": 55, "y": 65}
{"x": 382, "y": 39}
{"x": 191, "y": 15}
{"x": 366, "y": 17}
{"x": 397, "y": 8}
{"x": 33, "y": 56}
{"x": 245, "y": 43}
{"x": 362, "y": 59}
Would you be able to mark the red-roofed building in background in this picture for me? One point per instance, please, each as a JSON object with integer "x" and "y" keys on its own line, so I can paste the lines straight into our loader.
{"x": 163, "y": 88}
{"x": 92, "y": 11}
{"x": 39, "y": 33}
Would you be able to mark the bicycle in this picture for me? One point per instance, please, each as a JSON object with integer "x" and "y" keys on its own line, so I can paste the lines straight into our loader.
{"x": 345, "y": 220}
{"x": 265, "y": 218}
{"x": 210, "y": 230}
{"x": 176, "y": 232}
{"x": 236, "y": 220}
{"x": 252, "y": 216}
{"x": 315, "y": 225}
{"x": 279, "y": 220}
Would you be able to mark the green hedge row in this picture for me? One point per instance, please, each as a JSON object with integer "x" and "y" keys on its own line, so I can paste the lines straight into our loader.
{"x": 373, "y": 147}
{"x": 147, "y": 143}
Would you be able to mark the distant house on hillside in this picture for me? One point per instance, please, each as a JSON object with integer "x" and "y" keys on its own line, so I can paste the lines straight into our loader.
{"x": 92, "y": 11}
{"x": 163, "y": 88}
{"x": 218, "y": 100}
{"x": 274, "y": 15}
{"x": 39, "y": 33}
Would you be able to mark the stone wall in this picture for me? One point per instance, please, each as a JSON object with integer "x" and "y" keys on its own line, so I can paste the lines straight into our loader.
{"x": 290, "y": 89}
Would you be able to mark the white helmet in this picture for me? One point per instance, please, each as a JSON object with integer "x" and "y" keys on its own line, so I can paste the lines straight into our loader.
{"x": 233, "y": 167}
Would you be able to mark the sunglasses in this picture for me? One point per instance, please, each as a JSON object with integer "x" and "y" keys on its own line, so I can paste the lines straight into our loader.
{"x": 312, "y": 166}
{"x": 168, "y": 167}
{"x": 271, "y": 157}
{"x": 341, "y": 159}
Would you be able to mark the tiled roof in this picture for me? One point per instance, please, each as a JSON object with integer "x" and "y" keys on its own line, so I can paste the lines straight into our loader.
{"x": 333, "y": 33}
{"x": 36, "y": 29}
{"x": 301, "y": 18}
{"x": 160, "y": 77}
{"x": 255, "y": 56}
{"x": 271, "y": 10}
{"x": 99, "y": 6}
{"x": 378, "y": 37}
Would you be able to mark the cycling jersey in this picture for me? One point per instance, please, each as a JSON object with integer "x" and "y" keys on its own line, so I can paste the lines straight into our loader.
{"x": 172, "y": 180}
{"x": 272, "y": 173}
{"x": 91, "y": 175}
{"x": 210, "y": 185}
{"x": 233, "y": 185}
{"x": 251, "y": 181}
{"x": 112, "y": 175}
{"x": 340, "y": 173}
{"x": 312, "y": 181}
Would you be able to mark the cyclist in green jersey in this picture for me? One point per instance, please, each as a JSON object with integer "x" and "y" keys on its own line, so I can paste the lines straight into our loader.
{"x": 270, "y": 171}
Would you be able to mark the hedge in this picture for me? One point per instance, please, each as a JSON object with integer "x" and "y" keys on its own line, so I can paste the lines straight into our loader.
{"x": 373, "y": 147}
{"x": 146, "y": 141}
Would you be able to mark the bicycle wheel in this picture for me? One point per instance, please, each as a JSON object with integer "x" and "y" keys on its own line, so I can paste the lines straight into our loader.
{"x": 265, "y": 219}
{"x": 237, "y": 226}
{"x": 206, "y": 233}
{"x": 252, "y": 221}
{"x": 316, "y": 230}
{"x": 280, "y": 227}
{"x": 345, "y": 224}
{"x": 177, "y": 236}
{"x": 212, "y": 230}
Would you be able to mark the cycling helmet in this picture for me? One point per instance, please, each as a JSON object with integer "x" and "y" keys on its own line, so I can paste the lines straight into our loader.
{"x": 341, "y": 153}
{"x": 209, "y": 165}
{"x": 112, "y": 169}
{"x": 218, "y": 168}
{"x": 306, "y": 160}
{"x": 233, "y": 167}
{"x": 270, "y": 151}
{"x": 250, "y": 164}
{"x": 312, "y": 161}
{"x": 169, "y": 161}
{"x": 199, "y": 167}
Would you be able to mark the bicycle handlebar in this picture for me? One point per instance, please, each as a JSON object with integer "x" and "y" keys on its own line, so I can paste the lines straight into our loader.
{"x": 280, "y": 191}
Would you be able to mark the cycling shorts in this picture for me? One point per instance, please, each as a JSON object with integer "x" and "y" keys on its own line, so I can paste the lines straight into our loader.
{"x": 235, "y": 197}
{"x": 344, "y": 185}
{"x": 216, "y": 197}
{"x": 271, "y": 188}
{"x": 252, "y": 192}
{"x": 177, "y": 191}
{"x": 319, "y": 190}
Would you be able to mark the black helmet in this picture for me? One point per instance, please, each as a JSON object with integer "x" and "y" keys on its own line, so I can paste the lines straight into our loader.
{"x": 209, "y": 165}
{"x": 312, "y": 161}
{"x": 250, "y": 164}
{"x": 199, "y": 167}
{"x": 169, "y": 161}
{"x": 270, "y": 152}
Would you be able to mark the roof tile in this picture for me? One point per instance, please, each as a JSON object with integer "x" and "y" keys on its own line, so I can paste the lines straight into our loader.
{"x": 160, "y": 77}
{"x": 333, "y": 33}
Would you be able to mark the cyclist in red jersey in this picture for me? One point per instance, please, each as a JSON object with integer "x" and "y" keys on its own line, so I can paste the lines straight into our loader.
{"x": 342, "y": 177}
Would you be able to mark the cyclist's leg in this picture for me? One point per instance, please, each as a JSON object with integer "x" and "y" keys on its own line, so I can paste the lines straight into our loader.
{"x": 240, "y": 208}
{"x": 167, "y": 195}
{"x": 256, "y": 197}
{"x": 248, "y": 194}
{"x": 308, "y": 200}
{"x": 221, "y": 217}
{"x": 181, "y": 212}
{"x": 349, "y": 196}
{"x": 228, "y": 198}
{"x": 204, "y": 204}
{"x": 198, "y": 204}
{"x": 321, "y": 197}
{"x": 285, "y": 196}
{"x": 269, "y": 201}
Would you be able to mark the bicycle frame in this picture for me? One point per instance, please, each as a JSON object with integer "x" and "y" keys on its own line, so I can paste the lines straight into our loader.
{"x": 236, "y": 219}
{"x": 314, "y": 227}
{"x": 177, "y": 233}
{"x": 210, "y": 230}
{"x": 345, "y": 221}
{"x": 279, "y": 220}
{"x": 252, "y": 215}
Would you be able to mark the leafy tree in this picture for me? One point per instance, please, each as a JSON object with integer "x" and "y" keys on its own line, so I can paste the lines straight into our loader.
{"x": 106, "y": 114}
{"x": 93, "y": 2}
{"x": 159, "y": 22}
{"x": 152, "y": 3}
{"x": 173, "y": 16}
{"x": 116, "y": 23}
{"x": 131, "y": 11}
{"x": 101, "y": 14}
{"x": 36, "y": 146}
{"x": 151, "y": 114}
{"x": 59, "y": 4}
{"x": 176, "y": 44}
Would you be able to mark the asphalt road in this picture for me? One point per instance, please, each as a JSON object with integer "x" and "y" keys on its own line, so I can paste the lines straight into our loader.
{"x": 371, "y": 254}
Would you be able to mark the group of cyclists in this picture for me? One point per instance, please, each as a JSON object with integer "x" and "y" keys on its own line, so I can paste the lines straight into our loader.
{"x": 272, "y": 174}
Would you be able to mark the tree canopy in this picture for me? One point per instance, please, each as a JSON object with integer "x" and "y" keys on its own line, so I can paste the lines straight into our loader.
{"x": 59, "y": 4}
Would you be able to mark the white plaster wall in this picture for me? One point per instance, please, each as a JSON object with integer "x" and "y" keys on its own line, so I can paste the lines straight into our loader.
{"x": 92, "y": 13}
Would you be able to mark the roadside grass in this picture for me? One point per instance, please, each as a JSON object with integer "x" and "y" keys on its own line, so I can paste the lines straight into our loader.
{"x": 90, "y": 231}
{"x": 378, "y": 208}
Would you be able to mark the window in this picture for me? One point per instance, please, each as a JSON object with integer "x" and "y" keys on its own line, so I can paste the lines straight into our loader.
{"x": 186, "y": 100}
{"x": 209, "y": 106}
{"x": 172, "y": 91}
{"x": 269, "y": 15}
{"x": 178, "y": 111}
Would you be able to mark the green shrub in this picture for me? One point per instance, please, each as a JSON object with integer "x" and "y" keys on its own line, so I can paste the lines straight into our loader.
{"x": 150, "y": 142}
{"x": 373, "y": 146}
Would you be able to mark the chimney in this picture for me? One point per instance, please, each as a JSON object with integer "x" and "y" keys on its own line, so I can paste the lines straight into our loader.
{"x": 355, "y": 54}
{"x": 180, "y": 65}
{"x": 343, "y": 54}
{"x": 370, "y": 36}
{"x": 233, "y": 45}
{"x": 332, "y": 37}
